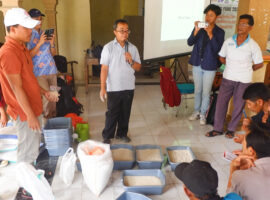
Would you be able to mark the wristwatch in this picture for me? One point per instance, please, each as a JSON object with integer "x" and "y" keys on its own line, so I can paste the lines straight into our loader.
{"x": 132, "y": 63}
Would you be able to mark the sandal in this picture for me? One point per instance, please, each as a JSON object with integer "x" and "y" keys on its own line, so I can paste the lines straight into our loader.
{"x": 229, "y": 134}
{"x": 26, "y": 194}
{"x": 213, "y": 133}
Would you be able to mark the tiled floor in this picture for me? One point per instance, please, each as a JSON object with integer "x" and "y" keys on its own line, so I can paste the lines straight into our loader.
{"x": 150, "y": 123}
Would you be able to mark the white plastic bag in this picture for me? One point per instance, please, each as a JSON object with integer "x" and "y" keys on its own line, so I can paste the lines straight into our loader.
{"x": 8, "y": 144}
{"x": 67, "y": 167}
{"x": 96, "y": 169}
{"x": 34, "y": 182}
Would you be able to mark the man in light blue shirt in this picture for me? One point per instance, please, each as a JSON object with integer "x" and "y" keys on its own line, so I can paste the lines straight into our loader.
{"x": 119, "y": 61}
{"x": 42, "y": 49}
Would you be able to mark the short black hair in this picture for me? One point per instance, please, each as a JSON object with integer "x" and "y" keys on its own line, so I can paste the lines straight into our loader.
{"x": 216, "y": 9}
{"x": 8, "y": 27}
{"x": 249, "y": 18}
{"x": 119, "y": 21}
{"x": 259, "y": 139}
{"x": 256, "y": 91}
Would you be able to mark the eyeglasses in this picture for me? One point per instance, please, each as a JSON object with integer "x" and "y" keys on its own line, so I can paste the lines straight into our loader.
{"x": 122, "y": 31}
{"x": 243, "y": 25}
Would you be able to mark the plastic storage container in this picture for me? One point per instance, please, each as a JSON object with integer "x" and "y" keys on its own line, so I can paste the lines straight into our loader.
{"x": 155, "y": 190}
{"x": 121, "y": 165}
{"x": 185, "y": 88}
{"x": 58, "y": 135}
{"x": 149, "y": 164}
{"x": 173, "y": 164}
{"x": 83, "y": 131}
{"x": 132, "y": 196}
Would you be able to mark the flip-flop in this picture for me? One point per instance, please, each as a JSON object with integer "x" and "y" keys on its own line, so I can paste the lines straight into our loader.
{"x": 229, "y": 134}
{"x": 213, "y": 133}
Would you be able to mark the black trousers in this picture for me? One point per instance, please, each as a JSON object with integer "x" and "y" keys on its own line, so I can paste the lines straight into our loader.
{"x": 118, "y": 113}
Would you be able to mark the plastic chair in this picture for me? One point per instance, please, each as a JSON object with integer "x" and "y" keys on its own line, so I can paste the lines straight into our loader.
{"x": 62, "y": 66}
{"x": 185, "y": 89}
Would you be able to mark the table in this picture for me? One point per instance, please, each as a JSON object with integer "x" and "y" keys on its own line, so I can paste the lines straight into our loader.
{"x": 89, "y": 61}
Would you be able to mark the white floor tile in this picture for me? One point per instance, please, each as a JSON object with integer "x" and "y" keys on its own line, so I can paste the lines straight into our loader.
{"x": 150, "y": 123}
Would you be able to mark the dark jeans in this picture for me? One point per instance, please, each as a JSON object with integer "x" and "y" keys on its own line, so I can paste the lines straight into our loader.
{"x": 227, "y": 90}
{"x": 118, "y": 113}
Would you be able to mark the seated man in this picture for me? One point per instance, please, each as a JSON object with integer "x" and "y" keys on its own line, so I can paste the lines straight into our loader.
{"x": 200, "y": 181}
{"x": 249, "y": 173}
{"x": 256, "y": 96}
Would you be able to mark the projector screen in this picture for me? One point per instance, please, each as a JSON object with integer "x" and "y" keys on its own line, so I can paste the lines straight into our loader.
{"x": 167, "y": 26}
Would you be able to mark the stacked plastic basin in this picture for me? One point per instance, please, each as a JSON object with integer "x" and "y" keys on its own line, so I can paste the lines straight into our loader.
{"x": 58, "y": 135}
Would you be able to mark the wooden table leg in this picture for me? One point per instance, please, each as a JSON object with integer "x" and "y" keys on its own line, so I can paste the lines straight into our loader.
{"x": 86, "y": 77}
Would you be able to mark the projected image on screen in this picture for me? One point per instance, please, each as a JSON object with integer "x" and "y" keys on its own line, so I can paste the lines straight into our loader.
{"x": 167, "y": 26}
{"x": 178, "y": 18}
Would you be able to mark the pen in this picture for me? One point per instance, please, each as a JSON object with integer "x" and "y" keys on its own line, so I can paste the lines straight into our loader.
{"x": 245, "y": 115}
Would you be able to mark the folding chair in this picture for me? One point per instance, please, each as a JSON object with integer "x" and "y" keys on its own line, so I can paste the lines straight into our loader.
{"x": 62, "y": 67}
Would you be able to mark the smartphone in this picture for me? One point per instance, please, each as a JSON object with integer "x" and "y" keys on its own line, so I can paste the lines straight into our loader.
{"x": 202, "y": 25}
{"x": 49, "y": 32}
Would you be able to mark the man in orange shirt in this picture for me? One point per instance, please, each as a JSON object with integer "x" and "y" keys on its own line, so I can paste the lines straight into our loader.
{"x": 20, "y": 87}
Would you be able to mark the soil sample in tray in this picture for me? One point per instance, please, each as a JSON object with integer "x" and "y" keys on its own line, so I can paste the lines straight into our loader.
{"x": 148, "y": 155}
{"x": 122, "y": 154}
{"x": 142, "y": 181}
{"x": 179, "y": 156}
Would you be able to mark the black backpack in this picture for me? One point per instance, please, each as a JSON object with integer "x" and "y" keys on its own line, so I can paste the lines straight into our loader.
{"x": 97, "y": 51}
{"x": 61, "y": 63}
{"x": 210, "y": 114}
{"x": 66, "y": 103}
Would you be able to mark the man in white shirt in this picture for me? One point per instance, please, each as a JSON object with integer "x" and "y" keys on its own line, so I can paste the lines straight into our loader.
{"x": 119, "y": 61}
{"x": 242, "y": 55}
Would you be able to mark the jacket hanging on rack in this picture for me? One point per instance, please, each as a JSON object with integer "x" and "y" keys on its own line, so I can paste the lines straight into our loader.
{"x": 170, "y": 92}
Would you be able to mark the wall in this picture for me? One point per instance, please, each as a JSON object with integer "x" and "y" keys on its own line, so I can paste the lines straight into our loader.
{"x": 103, "y": 15}
{"x": 129, "y": 8}
{"x": 105, "y": 12}
{"x": 29, "y": 4}
{"x": 2, "y": 28}
{"x": 260, "y": 10}
{"x": 74, "y": 32}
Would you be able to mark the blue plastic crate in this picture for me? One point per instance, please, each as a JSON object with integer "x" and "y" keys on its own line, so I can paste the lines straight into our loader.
{"x": 66, "y": 138}
{"x": 57, "y": 146}
{"x": 149, "y": 164}
{"x": 173, "y": 164}
{"x": 155, "y": 190}
{"x": 63, "y": 134}
{"x": 58, "y": 135}
{"x": 121, "y": 165}
{"x": 60, "y": 151}
{"x": 132, "y": 196}
{"x": 58, "y": 126}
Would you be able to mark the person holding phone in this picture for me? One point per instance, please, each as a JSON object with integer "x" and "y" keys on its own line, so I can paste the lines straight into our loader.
{"x": 207, "y": 43}
{"x": 42, "y": 50}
